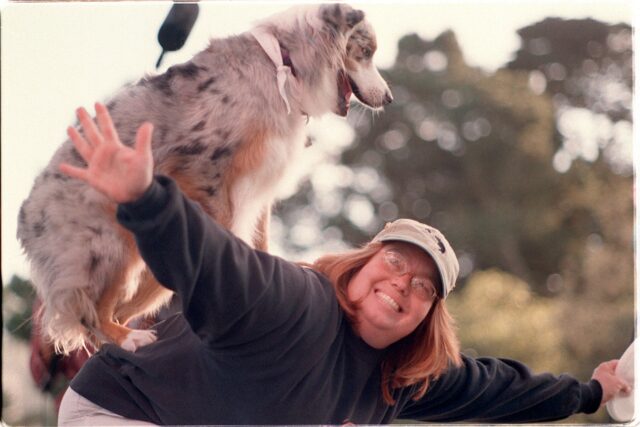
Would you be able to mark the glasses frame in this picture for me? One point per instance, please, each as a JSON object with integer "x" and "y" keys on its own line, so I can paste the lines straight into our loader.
{"x": 397, "y": 264}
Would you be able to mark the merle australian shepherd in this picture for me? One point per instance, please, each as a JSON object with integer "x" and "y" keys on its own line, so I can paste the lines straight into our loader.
{"x": 228, "y": 124}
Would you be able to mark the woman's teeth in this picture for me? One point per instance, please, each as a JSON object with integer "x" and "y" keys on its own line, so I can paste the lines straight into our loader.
{"x": 388, "y": 300}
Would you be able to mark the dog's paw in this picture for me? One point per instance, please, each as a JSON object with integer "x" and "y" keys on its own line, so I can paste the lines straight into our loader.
{"x": 138, "y": 338}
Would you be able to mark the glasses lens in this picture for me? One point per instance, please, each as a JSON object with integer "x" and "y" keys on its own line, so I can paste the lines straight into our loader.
{"x": 423, "y": 288}
{"x": 395, "y": 262}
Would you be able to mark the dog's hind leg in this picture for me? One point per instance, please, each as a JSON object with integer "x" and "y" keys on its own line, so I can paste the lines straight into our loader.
{"x": 149, "y": 298}
{"x": 129, "y": 339}
{"x": 119, "y": 284}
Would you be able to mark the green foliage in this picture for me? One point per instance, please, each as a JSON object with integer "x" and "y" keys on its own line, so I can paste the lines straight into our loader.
{"x": 586, "y": 67}
{"x": 498, "y": 315}
{"x": 578, "y": 58}
{"x": 18, "y": 297}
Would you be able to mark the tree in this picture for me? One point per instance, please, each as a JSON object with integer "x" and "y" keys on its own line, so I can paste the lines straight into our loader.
{"x": 586, "y": 66}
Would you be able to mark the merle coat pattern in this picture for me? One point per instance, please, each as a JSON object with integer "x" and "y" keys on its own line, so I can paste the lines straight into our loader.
{"x": 222, "y": 131}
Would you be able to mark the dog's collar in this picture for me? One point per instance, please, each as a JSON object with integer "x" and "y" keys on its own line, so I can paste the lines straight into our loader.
{"x": 286, "y": 60}
{"x": 280, "y": 57}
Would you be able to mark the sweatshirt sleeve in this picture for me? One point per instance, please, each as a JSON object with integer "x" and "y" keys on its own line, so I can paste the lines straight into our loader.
{"x": 230, "y": 292}
{"x": 502, "y": 391}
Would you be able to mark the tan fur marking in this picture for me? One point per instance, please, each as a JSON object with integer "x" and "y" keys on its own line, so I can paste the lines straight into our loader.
{"x": 247, "y": 158}
{"x": 249, "y": 155}
{"x": 261, "y": 240}
{"x": 149, "y": 298}
{"x": 190, "y": 184}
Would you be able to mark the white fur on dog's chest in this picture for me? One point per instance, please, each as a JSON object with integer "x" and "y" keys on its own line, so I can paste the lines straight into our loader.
{"x": 253, "y": 194}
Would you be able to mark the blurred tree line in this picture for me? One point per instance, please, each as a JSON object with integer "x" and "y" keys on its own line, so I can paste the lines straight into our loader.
{"x": 527, "y": 171}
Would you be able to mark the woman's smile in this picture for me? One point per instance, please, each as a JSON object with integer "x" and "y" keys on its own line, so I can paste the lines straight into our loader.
{"x": 389, "y": 301}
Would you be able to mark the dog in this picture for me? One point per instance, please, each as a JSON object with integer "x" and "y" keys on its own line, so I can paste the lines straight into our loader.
{"x": 227, "y": 126}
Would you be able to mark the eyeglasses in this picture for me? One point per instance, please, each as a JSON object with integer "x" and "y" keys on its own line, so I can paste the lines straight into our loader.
{"x": 397, "y": 264}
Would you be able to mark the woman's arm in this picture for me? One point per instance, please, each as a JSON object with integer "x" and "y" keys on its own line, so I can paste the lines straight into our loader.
{"x": 228, "y": 290}
{"x": 497, "y": 390}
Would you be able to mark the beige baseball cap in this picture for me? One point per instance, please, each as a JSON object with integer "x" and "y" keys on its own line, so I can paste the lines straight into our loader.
{"x": 429, "y": 239}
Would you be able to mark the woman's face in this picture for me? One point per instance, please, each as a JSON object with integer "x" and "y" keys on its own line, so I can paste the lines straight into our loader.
{"x": 396, "y": 290}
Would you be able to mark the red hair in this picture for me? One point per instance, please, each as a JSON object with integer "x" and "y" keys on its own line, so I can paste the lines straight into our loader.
{"x": 418, "y": 358}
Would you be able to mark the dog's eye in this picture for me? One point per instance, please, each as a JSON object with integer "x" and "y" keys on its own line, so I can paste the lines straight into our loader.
{"x": 367, "y": 53}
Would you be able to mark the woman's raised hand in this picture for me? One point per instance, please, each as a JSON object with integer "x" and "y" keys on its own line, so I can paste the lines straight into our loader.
{"x": 119, "y": 172}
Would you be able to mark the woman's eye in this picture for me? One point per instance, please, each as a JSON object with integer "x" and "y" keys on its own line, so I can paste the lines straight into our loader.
{"x": 423, "y": 287}
{"x": 393, "y": 261}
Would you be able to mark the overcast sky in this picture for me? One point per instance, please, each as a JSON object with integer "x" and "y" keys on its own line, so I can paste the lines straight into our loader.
{"x": 58, "y": 56}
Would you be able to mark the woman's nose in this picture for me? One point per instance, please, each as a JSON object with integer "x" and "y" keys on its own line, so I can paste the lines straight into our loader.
{"x": 402, "y": 283}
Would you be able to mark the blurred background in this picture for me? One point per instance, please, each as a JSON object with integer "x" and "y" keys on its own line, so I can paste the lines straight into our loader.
{"x": 511, "y": 131}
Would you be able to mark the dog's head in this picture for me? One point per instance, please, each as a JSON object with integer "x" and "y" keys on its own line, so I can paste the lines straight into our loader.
{"x": 364, "y": 79}
{"x": 331, "y": 48}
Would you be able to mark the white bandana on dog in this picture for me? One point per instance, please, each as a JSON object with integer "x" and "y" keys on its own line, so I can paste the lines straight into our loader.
{"x": 272, "y": 48}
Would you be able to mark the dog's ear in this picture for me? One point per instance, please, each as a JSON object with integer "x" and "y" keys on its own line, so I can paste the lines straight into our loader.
{"x": 340, "y": 17}
{"x": 354, "y": 17}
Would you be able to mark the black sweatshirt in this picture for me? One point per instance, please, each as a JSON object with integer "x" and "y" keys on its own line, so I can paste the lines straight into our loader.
{"x": 263, "y": 341}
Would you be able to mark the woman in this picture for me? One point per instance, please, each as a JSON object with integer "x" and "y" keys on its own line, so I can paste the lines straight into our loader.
{"x": 362, "y": 337}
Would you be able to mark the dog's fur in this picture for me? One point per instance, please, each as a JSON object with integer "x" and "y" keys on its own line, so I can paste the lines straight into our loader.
{"x": 222, "y": 131}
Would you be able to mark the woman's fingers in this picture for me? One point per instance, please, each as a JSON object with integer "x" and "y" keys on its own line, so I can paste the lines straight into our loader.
{"x": 625, "y": 388}
{"x": 83, "y": 148}
{"x": 89, "y": 127}
{"x": 143, "y": 139}
{"x": 74, "y": 172}
{"x": 105, "y": 124}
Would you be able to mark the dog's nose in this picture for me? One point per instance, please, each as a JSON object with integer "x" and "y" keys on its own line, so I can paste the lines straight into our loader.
{"x": 388, "y": 99}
